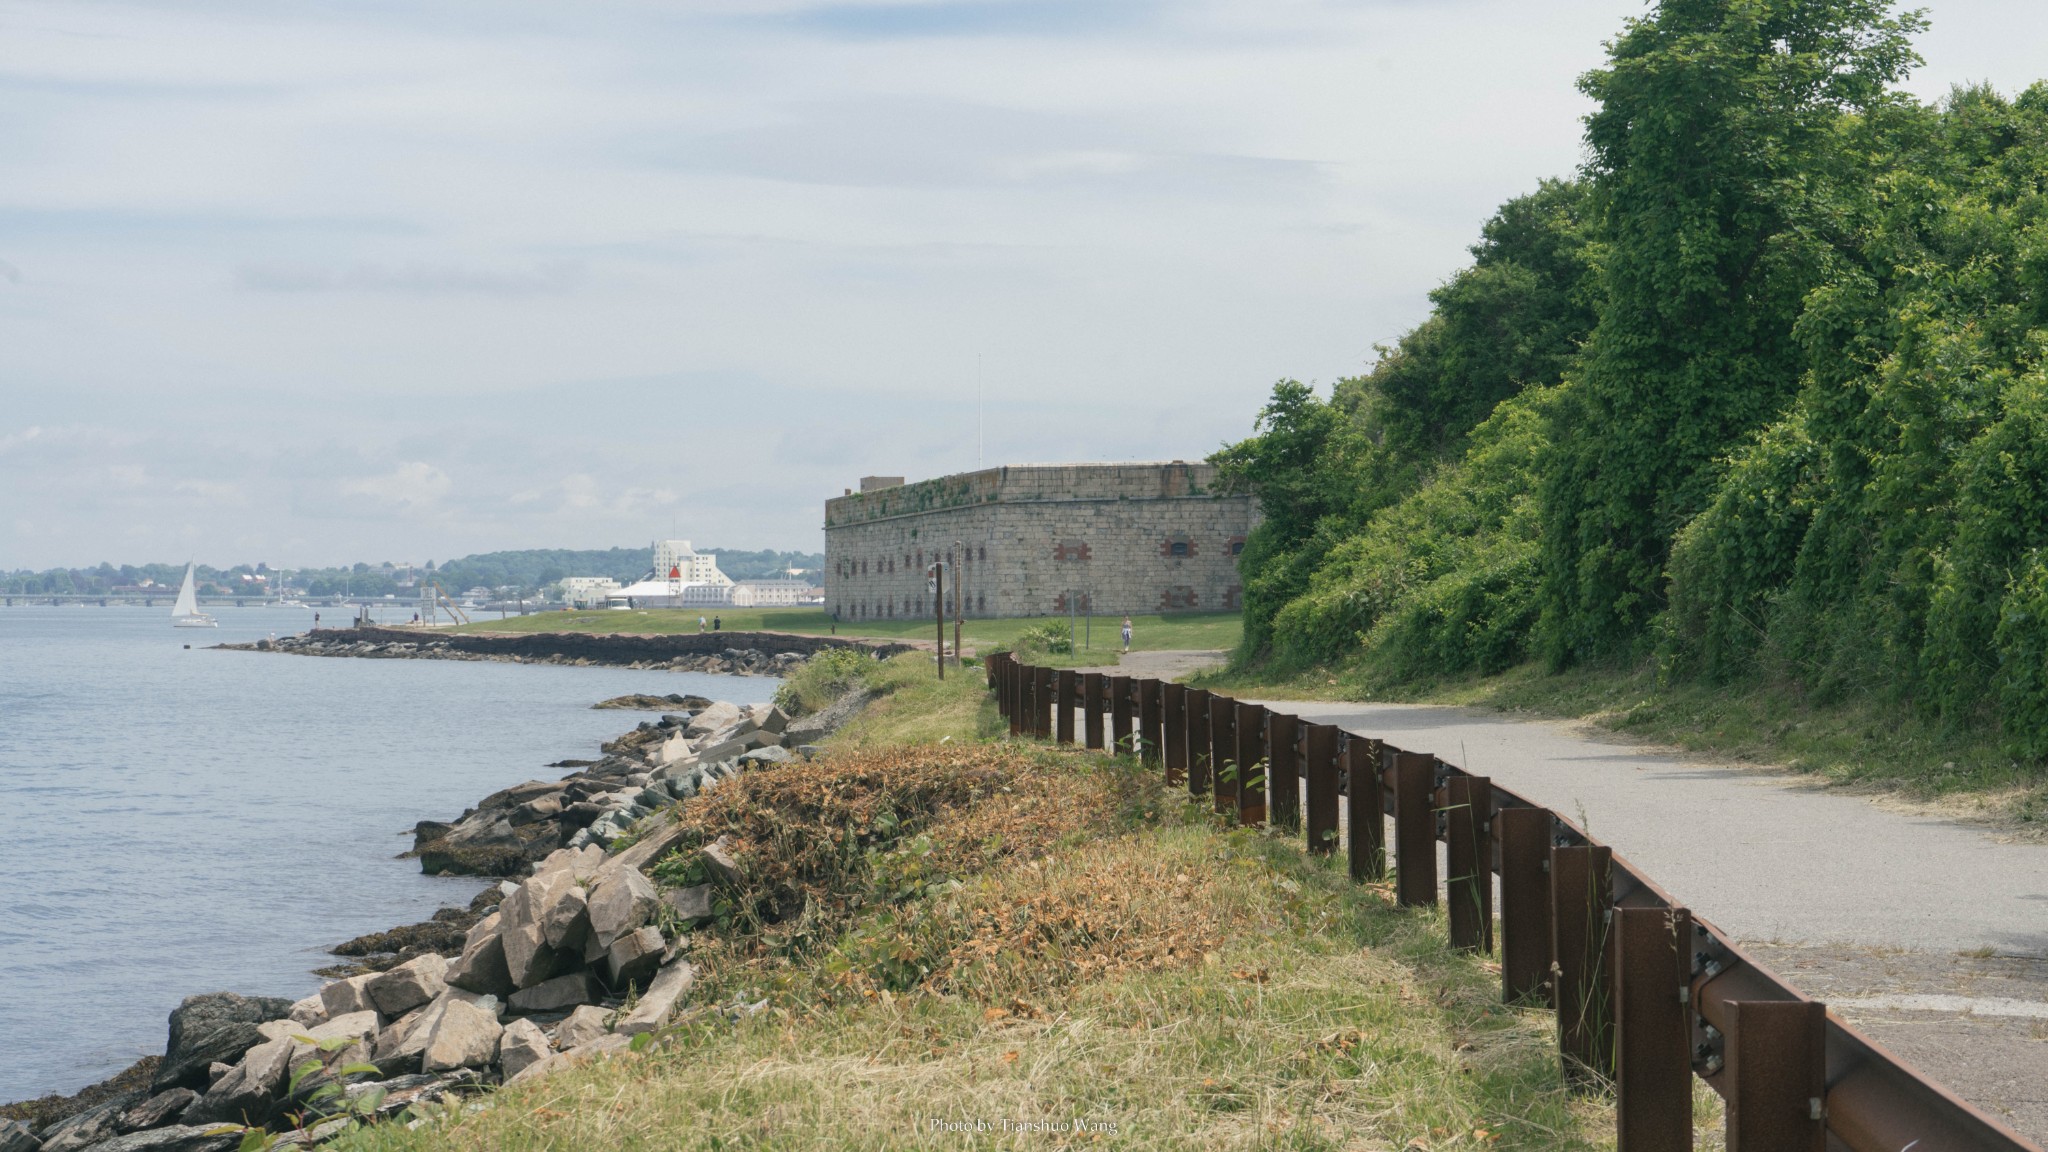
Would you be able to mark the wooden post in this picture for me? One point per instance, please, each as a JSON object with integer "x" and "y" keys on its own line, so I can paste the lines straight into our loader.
{"x": 1120, "y": 714}
{"x": 1321, "y": 765}
{"x": 1468, "y": 853}
{"x": 1581, "y": 895}
{"x": 1150, "y": 721}
{"x": 1174, "y": 731}
{"x": 1365, "y": 808}
{"x": 1653, "y": 1026}
{"x": 1251, "y": 759}
{"x": 1063, "y": 692}
{"x": 1283, "y": 770}
{"x": 1414, "y": 829}
{"x": 1525, "y": 904}
{"x": 1223, "y": 751}
{"x": 1091, "y": 707}
{"x": 1201, "y": 767}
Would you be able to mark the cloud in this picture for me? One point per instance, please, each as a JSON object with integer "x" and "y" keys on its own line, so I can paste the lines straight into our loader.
{"x": 424, "y": 279}
{"x": 414, "y": 486}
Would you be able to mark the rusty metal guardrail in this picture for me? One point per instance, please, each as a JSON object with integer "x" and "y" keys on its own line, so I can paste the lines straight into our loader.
{"x": 1647, "y": 995}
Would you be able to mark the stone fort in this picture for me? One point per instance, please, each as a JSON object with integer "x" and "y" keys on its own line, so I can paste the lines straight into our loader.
{"x": 1039, "y": 540}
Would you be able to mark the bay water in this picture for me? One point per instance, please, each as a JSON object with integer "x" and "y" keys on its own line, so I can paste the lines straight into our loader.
{"x": 175, "y": 820}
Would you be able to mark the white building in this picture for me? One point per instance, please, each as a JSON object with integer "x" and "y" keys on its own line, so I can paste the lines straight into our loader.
{"x": 675, "y": 559}
{"x": 587, "y": 591}
{"x": 773, "y": 593}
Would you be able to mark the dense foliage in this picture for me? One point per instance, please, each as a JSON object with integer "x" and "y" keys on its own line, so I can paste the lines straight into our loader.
{"x": 1774, "y": 407}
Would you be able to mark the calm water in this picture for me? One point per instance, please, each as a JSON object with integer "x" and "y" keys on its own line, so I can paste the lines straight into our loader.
{"x": 177, "y": 821}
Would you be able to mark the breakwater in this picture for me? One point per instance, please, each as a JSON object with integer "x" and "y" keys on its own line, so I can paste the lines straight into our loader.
{"x": 721, "y": 653}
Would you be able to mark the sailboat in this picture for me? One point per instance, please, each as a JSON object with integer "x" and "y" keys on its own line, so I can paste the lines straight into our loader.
{"x": 186, "y": 613}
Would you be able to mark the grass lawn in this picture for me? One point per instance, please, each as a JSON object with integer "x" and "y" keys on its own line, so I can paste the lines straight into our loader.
{"x": 1854, "y": 742}
{"x": 1044, "y": 949}
{"x": 1205, "y": 630}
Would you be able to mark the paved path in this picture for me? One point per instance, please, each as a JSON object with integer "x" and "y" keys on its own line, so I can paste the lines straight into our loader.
{"x": 1930, "y": 935}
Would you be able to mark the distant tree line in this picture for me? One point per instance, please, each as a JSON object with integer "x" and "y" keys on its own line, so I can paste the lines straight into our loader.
{"x": 526, "y": 572}
{"x": 1761, "y": 393}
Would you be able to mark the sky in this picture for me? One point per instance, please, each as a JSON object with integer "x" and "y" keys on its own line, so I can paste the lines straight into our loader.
{"x": 316, "y": 282}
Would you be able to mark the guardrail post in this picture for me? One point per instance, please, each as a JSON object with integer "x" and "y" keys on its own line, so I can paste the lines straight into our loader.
{"x": 1019, "y": 698}
{"x": 1120, "y": 713}
{"x": 1777, "y": 1076}
{"x": 1223, "y": 752}
{"x": 990, "y": 668}
{"x": 1091, "y": 707}
{"x": 1525, "y": 904}
{"x": 1365, "y": 807}
{"x": 1414, "y": 829}
{"x": 1063, "y": 691}
{"x": 1150, "y": 721}
{"x": 1042, "y": 705}
{"x": 1201, "y": 765}
{"x": 1581, "y": 896}
{"x": 1173, "y": 735}
{"x": 1653, "y": 1030}
{"x": 1283, "y": 770}
{"x": 1251, "y": 764}
{"x": 1320, "y": 759}
{"x": 1468, "y": 856}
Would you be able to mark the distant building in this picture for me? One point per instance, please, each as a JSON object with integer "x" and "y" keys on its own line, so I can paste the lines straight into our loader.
{"x": 686, "y": 563}
{"x": 1037, "y": 540}
{"x": 587, "y": 591}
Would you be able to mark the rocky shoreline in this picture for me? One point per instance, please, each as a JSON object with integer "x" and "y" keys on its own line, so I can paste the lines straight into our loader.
{"x": 721, "y": 653}
{"x": 568, "y": 958}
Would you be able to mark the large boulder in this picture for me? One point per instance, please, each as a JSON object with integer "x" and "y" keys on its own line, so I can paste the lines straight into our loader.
{"x": 158, "y": 1110}
{"x": 243, "y": 1096}
{"x": 177, "y": 1138}
{"x": 522, "y": 1045}
{"x": 97, "y": 1123}
{"x": 634, "y": 957}
{"x": 403, "y": 1043}
{"x": 216, "y": 1027}
{"x": 689, "y": 904}
{"x": 563, "y": 992}
{"x": 565, "y": 920}
{"x": 482, "y": 967}
{"x": 345, "y": 996}
{"x": 670, "y": 985}
{"x": 465, "y": 1036}
{"x": 583, "y": 1025}
{"x": 622, "y": 901}
{"x": 528, "y": 958}
{"x": 15, "y": 1137}
{"x": 712, "y": 718}
{"x": 411, "y": 984}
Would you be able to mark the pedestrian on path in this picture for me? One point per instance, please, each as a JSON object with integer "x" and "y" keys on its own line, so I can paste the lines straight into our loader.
{"x": 700, "y": 624}
{"x": 1127, "y": 635}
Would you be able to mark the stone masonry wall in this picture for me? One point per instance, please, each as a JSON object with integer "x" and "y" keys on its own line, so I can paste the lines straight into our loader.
{"x": 1118, "y": 538}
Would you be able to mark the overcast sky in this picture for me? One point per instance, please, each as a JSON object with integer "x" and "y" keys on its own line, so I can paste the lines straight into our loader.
{"x": 309, "y": 283}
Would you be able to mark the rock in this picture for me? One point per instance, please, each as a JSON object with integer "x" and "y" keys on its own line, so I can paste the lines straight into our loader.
{"x": 522, "y": 1044}
{"x": 658, "y": 835}
{"x": 557, "y": 994}
{"x": 465, "y": 1036}
{"x": 219, "y": 1026}
{"x": 97, "y": 1123}
{"x": 482, "y": 966}
{"x": 520, "y": 794}
{"x": 411, "y": 984}
{"x": 820, "y": 724}
{"x": 670, "y": 985}
{"x": 634, "y": 957}
{"x": 15, "y": 1137}
{"x": 528, "y": 959}
{"x": 284, "y": 1029}
{"x": 310, "y": 1011}
{"x": 345, "y": 996}
{"x": 622, "y": 901}
{"x": 216, "y": 1070}
{"x": 776, "y": 721}
{"x": 718, "y": 860}
{"x": 243, "y": 1095}
{"x": 178, "y": 1138}
{"x": 583, "y": 1025}
{"x": 158, "y": 1110}
{"x": 543, "y": 808}
{"x": 401, "y": 1092}
{"x": 711, "y": 718}
{"x": 566, "y": 922}
{"x": 691, "y": 904}
{"x": 352, "y": 1026}
{"x": 763, "y": 757}
{"x": 399, "y": 1047}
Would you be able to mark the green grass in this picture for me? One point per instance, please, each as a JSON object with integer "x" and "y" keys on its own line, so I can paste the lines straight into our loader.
{"x": 1204, "y": 630}
{"x": 1856, "y": 742}
{"x": 1320, "y": 1017}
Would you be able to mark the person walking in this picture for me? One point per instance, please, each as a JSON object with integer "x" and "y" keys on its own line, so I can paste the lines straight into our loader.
{"x": 718, "y": 623}
{"x": 1127, "y": 635}
{"x": 700, "y": 624}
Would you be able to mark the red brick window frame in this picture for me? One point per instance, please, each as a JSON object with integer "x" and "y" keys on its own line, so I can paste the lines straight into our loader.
{"x": 1178, "y": 547}
{"x": 1067, "y": 550}
{"x": 1179, "y": 598}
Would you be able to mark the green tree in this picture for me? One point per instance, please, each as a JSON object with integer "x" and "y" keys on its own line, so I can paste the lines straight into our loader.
{"x": 1715, "y": 174}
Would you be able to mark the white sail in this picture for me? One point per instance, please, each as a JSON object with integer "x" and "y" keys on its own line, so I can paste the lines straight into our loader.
{"x": 188, "y": 600}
